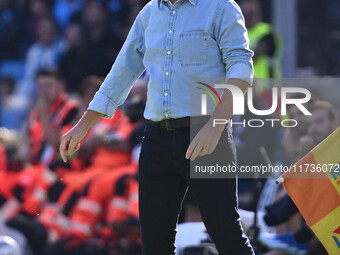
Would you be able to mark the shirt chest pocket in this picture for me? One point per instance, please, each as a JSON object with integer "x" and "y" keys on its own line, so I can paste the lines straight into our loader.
{"x": 193, "y": 48}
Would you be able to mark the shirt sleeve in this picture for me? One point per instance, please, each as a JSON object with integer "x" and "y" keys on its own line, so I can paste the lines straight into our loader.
{"x": 232, "y": 37}
{"x": 124, "y": 72}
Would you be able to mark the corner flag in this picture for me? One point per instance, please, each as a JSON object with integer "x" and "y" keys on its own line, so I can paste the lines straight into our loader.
{"x": 313, "y": 183}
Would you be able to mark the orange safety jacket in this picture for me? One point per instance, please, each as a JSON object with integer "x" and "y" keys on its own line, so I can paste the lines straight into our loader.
{"x": 103, "y": 158}
{"x": 124, "y": 202}
{"x": 55, "y": 216}
{"x": 54, "y": 221}
{"x": 19, "y": 185}
{"x": 120, "y": 126}
{"x": 38, "y": 197}
{"x": 61, "y": 112}
{"x": 25, "y": 179}
{"x": 108, "y": 193}
{"x": 77, "y": 180}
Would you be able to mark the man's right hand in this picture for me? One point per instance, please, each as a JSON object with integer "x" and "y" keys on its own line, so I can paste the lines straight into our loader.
{"x": 70, "y": 142}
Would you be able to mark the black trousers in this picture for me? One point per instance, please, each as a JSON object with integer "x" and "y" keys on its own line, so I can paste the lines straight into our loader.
{"x": 164, "y": 177}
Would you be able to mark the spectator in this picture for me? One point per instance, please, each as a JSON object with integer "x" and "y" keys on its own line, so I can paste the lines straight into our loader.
{"x": 95, "y": 20}
{"x": 324, "y": 120}
{"x": 45, "y": 53}
{"x": 79, "y": 61}
{"x": 123, "y": 15}
{"x": 112, "y": 198}
{"x": 9, "y": 147}
{"x": 15, "y": 147}
{"x": 12, "y": 114}
{"x": 38, "y": 10}
{"x": 106, "y": 148}
{"x": 262, "y": 40}
{"x": 11, "y": 30}
{"x": 52, "y": 111}
{"x": 291, "y": 136}
{"x": 63, "y": 194}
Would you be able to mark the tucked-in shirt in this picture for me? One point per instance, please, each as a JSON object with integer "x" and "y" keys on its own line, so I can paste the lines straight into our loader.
{"x": 177, "y": 43}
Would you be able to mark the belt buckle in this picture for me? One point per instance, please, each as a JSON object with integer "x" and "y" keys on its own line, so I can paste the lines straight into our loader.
{"x": 168, "y": 126}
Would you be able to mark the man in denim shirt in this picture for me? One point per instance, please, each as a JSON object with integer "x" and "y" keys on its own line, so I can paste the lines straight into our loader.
{"x": 177, "y": 41}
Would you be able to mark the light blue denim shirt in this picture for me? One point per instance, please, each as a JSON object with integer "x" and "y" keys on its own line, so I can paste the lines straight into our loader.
{"x": 177, "y": 43}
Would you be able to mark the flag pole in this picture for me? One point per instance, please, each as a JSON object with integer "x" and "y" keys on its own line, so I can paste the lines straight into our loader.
{"x": 280, "y": 180}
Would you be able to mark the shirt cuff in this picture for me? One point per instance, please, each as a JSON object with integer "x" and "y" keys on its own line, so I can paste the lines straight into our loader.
{"x": 103, "y": 104}
{"x": 242, "y": 71}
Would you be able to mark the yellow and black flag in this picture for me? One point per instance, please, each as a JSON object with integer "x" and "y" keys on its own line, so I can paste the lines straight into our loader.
{"x": 314, "y": 185}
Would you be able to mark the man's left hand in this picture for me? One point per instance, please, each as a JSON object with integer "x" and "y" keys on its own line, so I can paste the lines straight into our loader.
{"x": 205, "y": 141}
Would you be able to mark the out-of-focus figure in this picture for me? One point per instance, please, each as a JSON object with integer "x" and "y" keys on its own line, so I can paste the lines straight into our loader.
{"x": 11, "y": 30}
{"x": 8, "y": 246}
{"x": 63, "y": 10}
{"x": 44, "y": 53}
{"x": 79, "y": 61}
{"x": 262, "y": 40}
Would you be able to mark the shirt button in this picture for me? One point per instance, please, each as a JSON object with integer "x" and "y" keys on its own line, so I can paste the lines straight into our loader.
{"x": 173, "y": 12}
{"x": 167, "y": 73}
{"x": 166, "y": 94}
{"x": 166, "y": 115}
{"x": 168, "y": 52}
{"x": 170, "y": 31}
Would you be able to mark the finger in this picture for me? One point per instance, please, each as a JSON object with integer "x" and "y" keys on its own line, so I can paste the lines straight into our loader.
{"x": 73, "y": 145}
{"x": 196, "y": 151}
{"x": 63, "y": 157}
{"x": 78, "y": 147}
{"x": 63, "y": 148}
{"x": 190, "y": 149}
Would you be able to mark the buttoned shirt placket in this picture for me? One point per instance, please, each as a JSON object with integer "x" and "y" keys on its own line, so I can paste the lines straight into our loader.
{"x": 169, "y": 58}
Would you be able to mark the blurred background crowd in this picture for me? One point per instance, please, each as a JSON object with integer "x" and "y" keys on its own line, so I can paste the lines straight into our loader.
{"x": 54, "y": 55}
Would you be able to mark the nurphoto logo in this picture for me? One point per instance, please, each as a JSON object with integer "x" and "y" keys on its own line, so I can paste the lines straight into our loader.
{"x": 239, "y": 104}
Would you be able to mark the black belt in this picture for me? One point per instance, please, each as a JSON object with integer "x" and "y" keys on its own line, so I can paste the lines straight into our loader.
{"x": 173, "y": 124}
